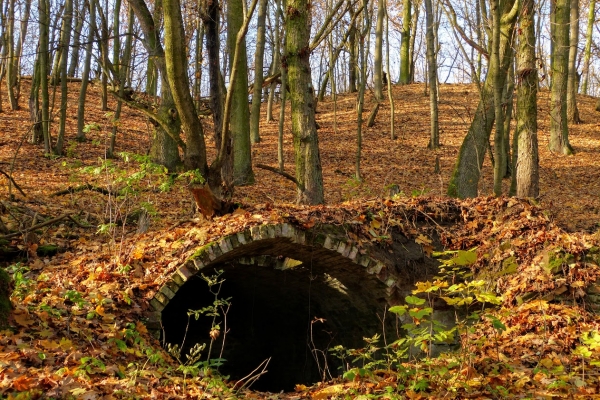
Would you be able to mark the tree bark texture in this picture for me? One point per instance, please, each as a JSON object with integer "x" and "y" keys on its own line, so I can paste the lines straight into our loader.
{"x": 527, "y": 169}
{"x": 304, "y": 129}
{"x": 559, "y": 129}
{"x": 240, "y": 113}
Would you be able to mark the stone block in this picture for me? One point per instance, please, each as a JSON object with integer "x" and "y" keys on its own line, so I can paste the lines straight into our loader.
{"x": 162, "y": 298}
{"x": 225, "y": 245}
{"x": 343, "y": 249}
{"x": 353, "y": 255}
{"x": 255, "y": 233}
{"x": 300, "y": 237}
{"x": 267, "y": 231}
{"x": 185, "y": 272}
{"x": 233, "y": 239}
{"x": 178, "y": 279}
{"x": 167, "y": 292}
{"x": 330, "y": 243}
{"x": 241, "y": 237}
{"x": 173, "y": 284}
{"x": 214, "y": 252}
{"x": 287, "y": 230}
{"x": 375, "y": 267}
{"x": 199, "y": 264}
{"x": 389, "y": 282}
{"x": 156, "y": 305}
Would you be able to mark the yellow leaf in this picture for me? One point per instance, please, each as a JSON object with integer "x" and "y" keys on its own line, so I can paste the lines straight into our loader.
{"x": 49, "y": 344}
{"x": 23, "y": 319}
{"x": 137, "y": 254}
{"x": 100, "y": 311}
{"x": 140, "y": 327}
{"x": 546, "y": 362}
{"x": 422, "y": 239}
{"x": 66, "y": 344}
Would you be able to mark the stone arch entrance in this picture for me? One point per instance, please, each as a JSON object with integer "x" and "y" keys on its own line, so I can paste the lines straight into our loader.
{"x": 294, "y": 294}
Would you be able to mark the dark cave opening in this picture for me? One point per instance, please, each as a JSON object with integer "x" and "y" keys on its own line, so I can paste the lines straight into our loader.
{"x": 273, "y": 314}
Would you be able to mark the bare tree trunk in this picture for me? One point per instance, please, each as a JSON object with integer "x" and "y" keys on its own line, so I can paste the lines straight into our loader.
{"x": 80, "y": 18}
{"x": 389, "y": 76}
{"x": 589, "y": 33}
{"x": 306, "y": 143}
{"x": 499, "y": 82}
{"x": 258, "y": 72}
{"x": 465, "y": 178}
{"x": 378, "y": 55}
{"x": 11, "y": 61}
{"x": 65, "y": 40}
{"x": 434, "y": 137}
{"x": 362, "y": 49}
{"x": 572, "y": 77}
{"x": 275, "y": 62}
{"x": 559, "y": 130}
{"x": 526, "y": 176}
{"x": 85, "y": 76}
{"x": 122, "y": 69}
{"x": 405, "y": 42}
{"x": 44, "y": 33}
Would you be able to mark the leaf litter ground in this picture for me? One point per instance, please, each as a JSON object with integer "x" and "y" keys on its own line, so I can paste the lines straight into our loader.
{"x": 76, "y": 323}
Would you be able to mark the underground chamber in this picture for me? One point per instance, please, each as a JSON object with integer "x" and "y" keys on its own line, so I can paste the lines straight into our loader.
{"x": 291, "y": 315}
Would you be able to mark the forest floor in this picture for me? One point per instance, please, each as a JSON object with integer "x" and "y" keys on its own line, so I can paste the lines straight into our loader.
{"x": 77, "y": 311}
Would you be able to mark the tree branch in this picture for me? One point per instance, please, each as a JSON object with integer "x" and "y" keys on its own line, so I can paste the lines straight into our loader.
{"x": 282, "y": 173}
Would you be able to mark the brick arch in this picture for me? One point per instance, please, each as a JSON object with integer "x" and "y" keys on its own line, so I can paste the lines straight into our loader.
{"x": 277, "y": 246}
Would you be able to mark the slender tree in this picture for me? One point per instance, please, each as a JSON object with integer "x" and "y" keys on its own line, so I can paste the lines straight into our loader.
{"x": 258, "y": 71}
{"x": 434, "y": 137}
{"x": 44, "y": 59}
{"x": 378, "y": 55}
{"x": 526, "y": 177}
{"x": 85, "y": 75}
{"x": 11, "y": 61}
{"x": 572, "y": 76}
{"x": 499, "y": 83}
{"x": 465, "y": 177}
{"x": 65, "y": 40}
{"x": 587, "y": 50}
{"x": 306, "y": 144}
{"x": 405, "y": 42}
{"x": 559, "y": 129}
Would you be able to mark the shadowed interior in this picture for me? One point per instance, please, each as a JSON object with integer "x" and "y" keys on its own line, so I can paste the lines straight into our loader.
{"x": 273, "y": 314}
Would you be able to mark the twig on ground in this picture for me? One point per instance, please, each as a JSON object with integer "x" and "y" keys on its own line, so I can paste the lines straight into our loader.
{"x": 32, "y": 228}
{"x": 13, "y": 182}
{"x": 87, "y": 186}
{"x": 282, "y": 173}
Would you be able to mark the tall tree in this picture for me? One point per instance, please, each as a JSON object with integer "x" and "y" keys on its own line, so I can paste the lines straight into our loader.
{"x": 11, "y": 61}
{"x": 434, "y": 137}
{"x": 85, "y": 75}
{"x": 405, "y": 42}
{"x": 587, "y": 50}
{"x": 306, "y": 144}
{"x": 44, "y": 60}
{"x": 258, "y": 71}
{"x": 164, "y": 148}
{"x": 573, "y": 77}
{"x": 65, "y": 40}
{"x": 559, "y": 129}
{"x": 526, "y": 176}
{"x": 465, "y": 177}
{"x": 499, "y": 150}
{"x": 378, "y": 55}
{"x": 240, "y": 114}
{"x": 79, "y": 20}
